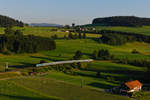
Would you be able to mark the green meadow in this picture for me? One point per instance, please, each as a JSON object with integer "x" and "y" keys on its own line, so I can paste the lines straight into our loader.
{"x": 68, "y": 87}
{"x": 141, "y": 30}
{"x": 9, "y": 90}
{"x": 64, "y": 90}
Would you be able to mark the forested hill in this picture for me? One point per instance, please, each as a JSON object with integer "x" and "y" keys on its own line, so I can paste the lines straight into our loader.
{"x": 131, "y": 21}
{"x": 7, "y": 21}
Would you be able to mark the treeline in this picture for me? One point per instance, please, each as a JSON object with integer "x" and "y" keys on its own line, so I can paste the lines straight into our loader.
{"x": 9, "y": 22}
{"x": 75, "y": 36}
{"x": 119, "y": 38}
{"x": 102, "y": 54}
{"x": 16, "y": 42}
{"x": 135, "y": 62}
{"x": 65, "y": 68}
{"x": 131, "y": 21}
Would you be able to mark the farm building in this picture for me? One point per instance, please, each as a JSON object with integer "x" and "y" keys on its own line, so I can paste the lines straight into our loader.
{"x": 131, "y": 86}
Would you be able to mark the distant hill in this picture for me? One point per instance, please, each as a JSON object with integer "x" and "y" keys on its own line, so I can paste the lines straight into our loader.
{"x": 45, "y": 25}
{"x": 7, "y": 21}
{"x": 131, "y": 21}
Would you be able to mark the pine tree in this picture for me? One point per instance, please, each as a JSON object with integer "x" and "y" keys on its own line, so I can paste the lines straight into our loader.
{"x": 9, "y": 30}
{"x": 78, "y": 55}
{"x": 84, "y": 35}
{"x": 65, "y": 37}
{"x": 94, "y": 55}
{"x": 80, "y": 35}
{"x": 70, "y": 36}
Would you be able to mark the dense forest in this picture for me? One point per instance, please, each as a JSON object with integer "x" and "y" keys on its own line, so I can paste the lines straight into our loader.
{"x": 16, "y": 42}
{"x": 130, "y": 21}
{"x": 7, "y": 21}
{"x": 119, "y": 38}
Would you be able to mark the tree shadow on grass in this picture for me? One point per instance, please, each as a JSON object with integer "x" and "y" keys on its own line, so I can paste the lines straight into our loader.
{"x": 125, "y": 72}
{"x": 88, "y": 54}
{"x": 22, "y": 65}
{"x": 100, "y": 85}
{"x": 86, "y": 75}
{"x": 45, "y": 58}
{"x": 93, "y": 38}
{"x": 121, "y": 77}
{"x": 26, "y": 98}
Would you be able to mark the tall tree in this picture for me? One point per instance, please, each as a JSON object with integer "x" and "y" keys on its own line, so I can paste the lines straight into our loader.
{"x": 84, "y": 35}
{"x": 70, "y": 36}
{"x": 77, "y": 55}
{"x": 9, "y": 30}
{"x": 80, "y": 35}
{"x": 94, "y": 55}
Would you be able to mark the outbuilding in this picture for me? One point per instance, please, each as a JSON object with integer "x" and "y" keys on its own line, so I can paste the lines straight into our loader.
{"x": 131, "y": 86}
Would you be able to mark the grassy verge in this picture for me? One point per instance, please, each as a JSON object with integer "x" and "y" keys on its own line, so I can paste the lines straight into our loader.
{"x": 64, "y": 90}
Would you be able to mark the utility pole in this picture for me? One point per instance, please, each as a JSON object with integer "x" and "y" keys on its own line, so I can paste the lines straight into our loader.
{"x": 6, "y": 68}
{"x": 82, "y": 83}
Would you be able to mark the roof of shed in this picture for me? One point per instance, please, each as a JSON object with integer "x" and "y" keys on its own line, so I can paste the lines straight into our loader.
{"x": 133, "y": 84}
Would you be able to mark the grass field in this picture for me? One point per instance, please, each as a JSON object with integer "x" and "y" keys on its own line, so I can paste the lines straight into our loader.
{"x": 12, "y": 91}
{"x": 44, "y": 32}
{"x": 67, "y": 48}
{"x": 66, "y": 86}
{"x": 142, "y": 30}
{"x": 64, "y": 90}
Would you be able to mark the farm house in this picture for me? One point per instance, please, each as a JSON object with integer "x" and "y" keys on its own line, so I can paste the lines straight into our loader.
{"x": 131, "y": 86}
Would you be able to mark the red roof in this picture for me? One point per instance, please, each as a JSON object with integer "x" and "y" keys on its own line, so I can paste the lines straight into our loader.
{"x": 133, "y": 84}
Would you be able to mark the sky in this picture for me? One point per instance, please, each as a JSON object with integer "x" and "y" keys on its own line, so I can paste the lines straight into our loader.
{"x": 72, "y": 11}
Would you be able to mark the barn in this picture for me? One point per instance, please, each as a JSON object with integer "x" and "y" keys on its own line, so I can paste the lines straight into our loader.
{"x": 131, "y": 86}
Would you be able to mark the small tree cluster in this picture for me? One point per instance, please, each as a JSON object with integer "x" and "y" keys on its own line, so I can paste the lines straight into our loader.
{"x": 54, "y": 36}
{"x": 77, "y": 55}
{"x": 65, "y": 68}
{"x": 135, "y": 62}
{"x": 75, "y": 36}
{"x": 134, "y": 51}
{"x": 118, "y": 38}
{"x": 16, "y": 42}
{"x": 102, "y": 55}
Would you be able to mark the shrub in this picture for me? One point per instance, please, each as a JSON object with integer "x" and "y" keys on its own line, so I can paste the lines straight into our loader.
{"x": 78, "y": 55}
{"x": 110, "y": 79}
{"x": 94, "y": 54}
{"x": 43, "y": 61}
{"x": 134, "y": 51}
{"x": 54, "y": 36}
{"x": 82, "y": 65}
{"x": 138, "y": 94}
{"x": 25, "y": 73}
{"x": 104, "y": 55}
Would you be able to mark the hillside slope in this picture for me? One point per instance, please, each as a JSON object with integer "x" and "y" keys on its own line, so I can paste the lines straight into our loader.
{"x": 7, "y": 21}
{"x": 131, "y": 21}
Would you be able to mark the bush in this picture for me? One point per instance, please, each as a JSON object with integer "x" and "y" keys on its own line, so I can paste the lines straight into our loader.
{"x": 110, "y": 79}
{"x": 94, "y": 55}
{"x": 104, "y": 55}
{"x": 82, "y": 65}
{"x": 78, "y": 55}
{"x": 54, "y": 36}
{"x": 138, "y": 94}
{"x": 43, "y": 61}
{"x": 25, "y": 73}
{"x": 65, "y": 68}
{"x": 134, "y": 51}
